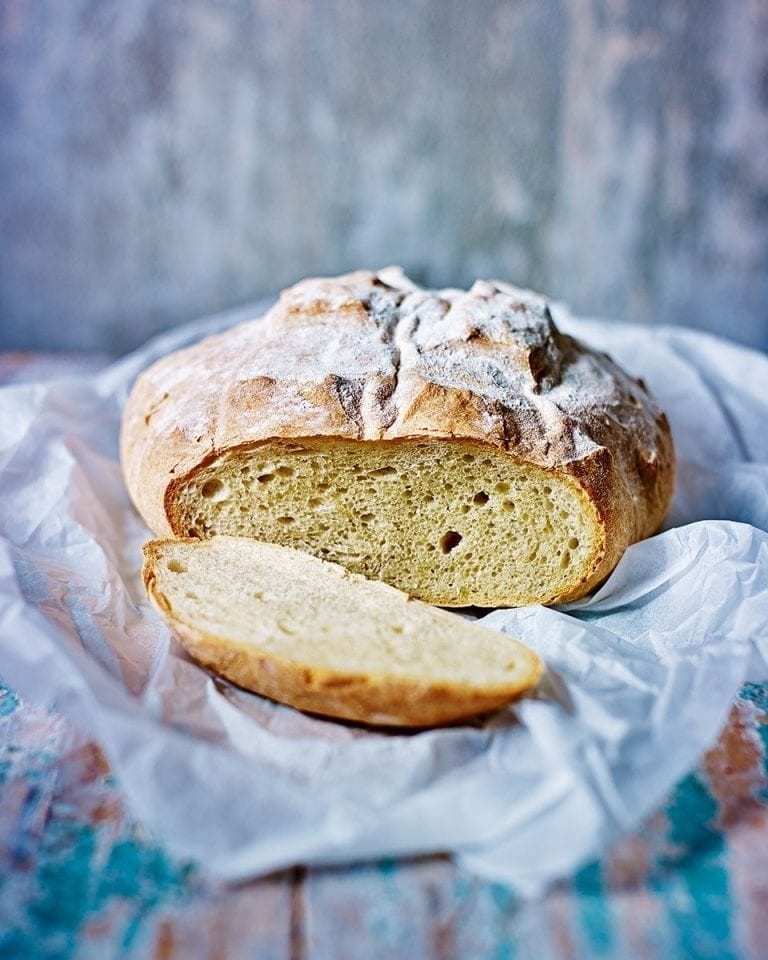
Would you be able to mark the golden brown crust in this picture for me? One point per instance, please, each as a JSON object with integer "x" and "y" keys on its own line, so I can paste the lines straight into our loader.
{"x": 372, "y": 699}
{"x": 376, "y": 701}
{"x": 372, "y": 357}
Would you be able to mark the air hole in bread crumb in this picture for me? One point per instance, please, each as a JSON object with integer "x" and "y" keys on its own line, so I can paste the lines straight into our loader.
{"x": 265, "y": 477}
{"x": 314, "y": 502}
{"x": 190, "y": 595}
{"x": 481, "y": 498}
{"x": 565, "y": 559}
{"x": 464, "y": 508}
{"x": 573, "y": 543}
{"x": 508, "y": 505}
{"x": 323, "y": 486}
{"x": 468, "y": 458}
{"x": 449, "y": 541}
{"x": 429, "y": 498}
{"x": 176, "y": 567}
{"x": 398, "y": 628}
{"x": 367, "y": 517}
{"x": 214, "y": 490}
{"x": 502, "y": 487}
{"x": 286, "y": 520}
{"x": 383, "y": 472}
{"x": 284, "y": 471}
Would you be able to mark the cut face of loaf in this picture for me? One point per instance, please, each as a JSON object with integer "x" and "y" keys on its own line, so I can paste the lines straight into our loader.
{"x": 453, "y": 443}
{"x": 453, "y": 523}
{"x": 310, "y": 634}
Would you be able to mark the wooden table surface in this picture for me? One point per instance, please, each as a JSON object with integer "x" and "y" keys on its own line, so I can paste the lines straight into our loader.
{"x": 79, "y": 878}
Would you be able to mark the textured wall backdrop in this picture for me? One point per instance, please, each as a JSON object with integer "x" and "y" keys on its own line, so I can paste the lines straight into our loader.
{"x": 160, "y": 159}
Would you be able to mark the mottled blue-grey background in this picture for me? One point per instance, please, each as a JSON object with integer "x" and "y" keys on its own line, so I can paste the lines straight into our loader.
{"x": 160, "y": 159}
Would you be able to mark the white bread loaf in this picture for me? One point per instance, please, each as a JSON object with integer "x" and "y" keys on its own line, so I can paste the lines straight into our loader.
{"x": 454, "y": 444}
{"x": 311, "y": 634}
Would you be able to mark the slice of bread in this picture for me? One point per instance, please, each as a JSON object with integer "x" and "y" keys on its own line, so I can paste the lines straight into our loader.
{"x": 313, "y": 635}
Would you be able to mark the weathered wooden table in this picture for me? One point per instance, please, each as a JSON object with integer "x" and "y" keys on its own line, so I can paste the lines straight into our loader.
{"x": 80, "y": 878}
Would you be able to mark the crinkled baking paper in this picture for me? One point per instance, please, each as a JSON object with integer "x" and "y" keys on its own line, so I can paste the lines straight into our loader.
{"x": 640, "y": 676}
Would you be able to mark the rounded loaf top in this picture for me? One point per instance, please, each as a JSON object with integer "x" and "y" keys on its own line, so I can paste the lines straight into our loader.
{"x": 371, "y": 356}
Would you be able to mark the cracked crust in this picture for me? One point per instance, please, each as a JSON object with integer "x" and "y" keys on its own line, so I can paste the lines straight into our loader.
{"x": 372, "y": 357}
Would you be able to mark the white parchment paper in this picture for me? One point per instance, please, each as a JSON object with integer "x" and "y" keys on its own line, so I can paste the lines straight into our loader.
{"x": 640, "y": 676}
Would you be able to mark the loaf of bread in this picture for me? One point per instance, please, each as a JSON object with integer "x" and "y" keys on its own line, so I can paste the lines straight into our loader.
{"x": 309, "y": 633}
{"x": 453, "y": 444}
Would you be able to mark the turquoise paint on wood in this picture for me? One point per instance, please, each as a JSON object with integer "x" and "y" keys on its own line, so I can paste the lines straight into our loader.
{"x": 594, "y": 909}
{"x": 702, "y": 915}
{"x": 507, "y": 906}
{"x": 757, "y": 693}
{"x": 8, "y": 702}
{"x": 79, "y": 869}
{"x": 72, "y": 885}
